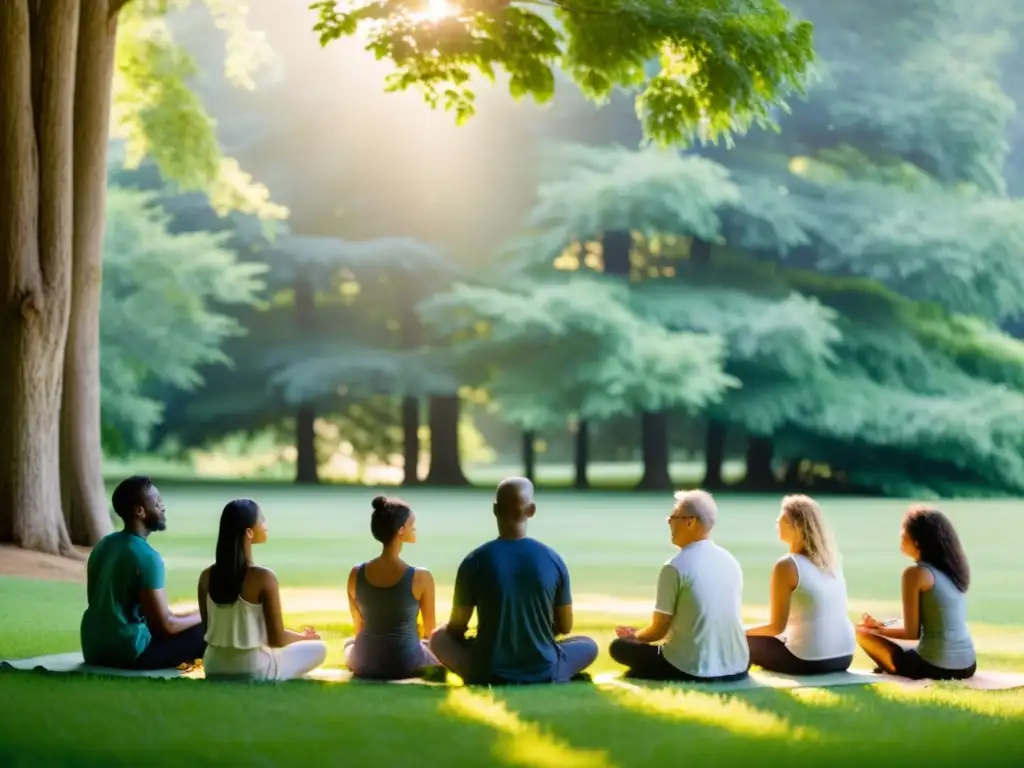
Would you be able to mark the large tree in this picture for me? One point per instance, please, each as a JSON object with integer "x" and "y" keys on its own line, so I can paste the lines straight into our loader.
{"x": 58, "y": 62}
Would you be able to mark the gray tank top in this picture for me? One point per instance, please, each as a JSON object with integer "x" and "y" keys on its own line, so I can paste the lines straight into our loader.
{"x": 389, "y": 643}
{"x": 945, "y": 639}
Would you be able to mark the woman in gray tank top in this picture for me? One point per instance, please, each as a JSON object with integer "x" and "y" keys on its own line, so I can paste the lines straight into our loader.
{"x": 386, "y": 596}
{"x": 934, "y": 606}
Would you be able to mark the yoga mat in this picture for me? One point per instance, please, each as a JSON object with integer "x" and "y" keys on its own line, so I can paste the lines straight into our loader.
{"x": 982, "y": 681}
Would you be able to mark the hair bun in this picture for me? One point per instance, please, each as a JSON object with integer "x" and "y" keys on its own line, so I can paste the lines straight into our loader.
{"x": 379, "y": 503}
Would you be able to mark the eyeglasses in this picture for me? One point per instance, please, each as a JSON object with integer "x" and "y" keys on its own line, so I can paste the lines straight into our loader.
{"x": 680, "y": 517}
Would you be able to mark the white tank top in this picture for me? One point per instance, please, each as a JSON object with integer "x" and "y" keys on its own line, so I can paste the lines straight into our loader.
{"x": 818, "y": 627}
{"x": 239, "y": 625}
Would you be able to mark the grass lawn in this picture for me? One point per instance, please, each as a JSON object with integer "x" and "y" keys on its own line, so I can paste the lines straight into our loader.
{"x": 613, "y": 544}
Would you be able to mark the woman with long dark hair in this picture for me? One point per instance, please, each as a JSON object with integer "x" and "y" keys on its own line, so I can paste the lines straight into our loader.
{"x": 934, "y": 606}
{"x": 240, "y": 604}
{"x": 385, "y": 597}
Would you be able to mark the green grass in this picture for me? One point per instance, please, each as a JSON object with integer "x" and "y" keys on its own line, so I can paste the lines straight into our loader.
{"x": 613, "y": 544}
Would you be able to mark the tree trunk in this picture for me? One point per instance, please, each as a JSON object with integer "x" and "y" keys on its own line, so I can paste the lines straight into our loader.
{"x": 410, "y": 439}
{"x": 530, "y": 455}
{"x": 615, "y": 247}
{"x": 760, "y": 475}
{"x": 306, "y": 464}
{"x": 81, "y": 459}
{"x": 700, "y": 252}
{"x": 714, "y": 454}
{"x": 582, "y": 455}
{"x": 654, "y": 449}
{"x": 445, "y": 463}
{"x": 38, "y": 45}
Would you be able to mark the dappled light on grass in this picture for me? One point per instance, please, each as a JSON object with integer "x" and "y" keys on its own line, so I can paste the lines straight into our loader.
{"x": 522, "y": 742}
{"x": 999, "y": 704}
{"x": 816, "y": 697}
{"x": 720, "y": 711}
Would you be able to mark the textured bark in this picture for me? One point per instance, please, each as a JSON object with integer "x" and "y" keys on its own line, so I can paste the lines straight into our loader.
{"x": 581, "y": 455}
{"x": 81, "y": 458}
{"x": 654, "y": 449}
{"x": 714, "y": 454}
{"x": 760, "y": 476}
{"x": 529, "y": 455}
{"x": 410, "y": 440}
{"x": 38, "y": 44}
{"x": 445, "y": 462}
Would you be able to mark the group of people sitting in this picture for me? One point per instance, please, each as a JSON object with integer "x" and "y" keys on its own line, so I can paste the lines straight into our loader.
{"x": 520, "y": 591}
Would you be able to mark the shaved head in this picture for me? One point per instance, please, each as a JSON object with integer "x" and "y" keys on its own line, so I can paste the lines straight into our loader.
{"x": 513, "y": 501}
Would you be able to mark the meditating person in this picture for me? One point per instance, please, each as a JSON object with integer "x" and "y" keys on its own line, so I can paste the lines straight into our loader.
{"x": 934, "y": 606}
{"x": 127, "y": 623}
{"x": 386, "y": 595}
{"x": 697, "y": 608}
{"x": 520, "y": 591}
{"x": 241, "y": 608}
{"x": 808, "y": 631}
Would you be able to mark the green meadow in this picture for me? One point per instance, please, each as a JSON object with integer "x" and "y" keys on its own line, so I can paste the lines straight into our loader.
{"x": 613, "y": 544}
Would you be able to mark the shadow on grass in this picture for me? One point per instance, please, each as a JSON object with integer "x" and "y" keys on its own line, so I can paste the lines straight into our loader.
{"x": 50, "y": 719}
{"x": 648, "y": 724}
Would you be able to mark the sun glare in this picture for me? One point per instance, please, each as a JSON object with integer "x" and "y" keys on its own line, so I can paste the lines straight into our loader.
{"x": 435, "y": 10}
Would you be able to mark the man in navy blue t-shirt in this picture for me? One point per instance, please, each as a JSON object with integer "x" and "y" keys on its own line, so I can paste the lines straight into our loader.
{"x": 520, "y": 590}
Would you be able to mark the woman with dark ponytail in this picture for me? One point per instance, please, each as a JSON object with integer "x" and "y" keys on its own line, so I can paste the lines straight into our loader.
{"x": 385, "y": 597}
{"x": 240, "y": 604}
{"x": 934, "y": 606}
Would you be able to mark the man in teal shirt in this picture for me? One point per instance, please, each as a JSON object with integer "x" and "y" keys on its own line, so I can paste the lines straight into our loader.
{"x": 128, "y": 624}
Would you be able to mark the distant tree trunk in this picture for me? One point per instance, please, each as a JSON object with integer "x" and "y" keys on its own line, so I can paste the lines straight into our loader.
{"x": 307, "y": 465}
{"x": 81, "y": 455}
{"x": 581, "y": 455}
{"x": 792, "y": 477}
{"x": 410, "y": 440}
{"x": 654, "y": 450}
{"x": 700, "y": 252}
{"x": 530, "y": 455}
{"x": 445, "y": 462}
{"x": 38, "y": 48}
{"x": 760, "y": 475}
{"x": 615, "y": 248}
{"x": 714, "y": 454}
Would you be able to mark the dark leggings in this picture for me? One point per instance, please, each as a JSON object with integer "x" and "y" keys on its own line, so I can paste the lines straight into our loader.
{"x": 908, "y": 663}
{"x": 645, "y": 662}
{"x": 170, "y": 651}
{"x": 772, "y": 655}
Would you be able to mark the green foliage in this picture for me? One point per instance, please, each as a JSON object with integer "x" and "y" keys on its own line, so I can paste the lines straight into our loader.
{"x": 723, "y": 64}
{"x": 612, "y": 189}
{"x": 157, "y": 114}
{"x": 161, "y": 317}
{"x": 546, "y": 352}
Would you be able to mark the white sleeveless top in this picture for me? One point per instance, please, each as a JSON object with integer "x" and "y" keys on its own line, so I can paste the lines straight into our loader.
{"x": 818, "y": 627}
{"x": 240, "y": 625}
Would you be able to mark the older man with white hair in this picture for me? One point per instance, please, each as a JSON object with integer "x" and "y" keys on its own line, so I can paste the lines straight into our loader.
{"x": 698, "y": 608}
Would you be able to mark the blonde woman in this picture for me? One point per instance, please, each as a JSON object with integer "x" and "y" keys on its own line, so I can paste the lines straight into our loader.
{"x": 809, "y": 632}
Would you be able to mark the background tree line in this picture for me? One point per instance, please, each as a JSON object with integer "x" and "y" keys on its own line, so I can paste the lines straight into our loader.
{"x": 835, "y": 303}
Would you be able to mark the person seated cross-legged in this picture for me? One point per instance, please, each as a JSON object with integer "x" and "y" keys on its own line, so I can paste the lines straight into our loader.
{"x": 520, "y": 590}
{"x": 808, "y": 631}
{"x": 934, "y": 606}
{"x": 697, "y": 610}
{"x": 127, "y": 623}
{"x": 386, "y": 595}
{"x": 241, "y": 608}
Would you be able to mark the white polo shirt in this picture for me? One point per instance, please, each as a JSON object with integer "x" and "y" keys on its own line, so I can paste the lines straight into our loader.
{"x": 701, "y": 588}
